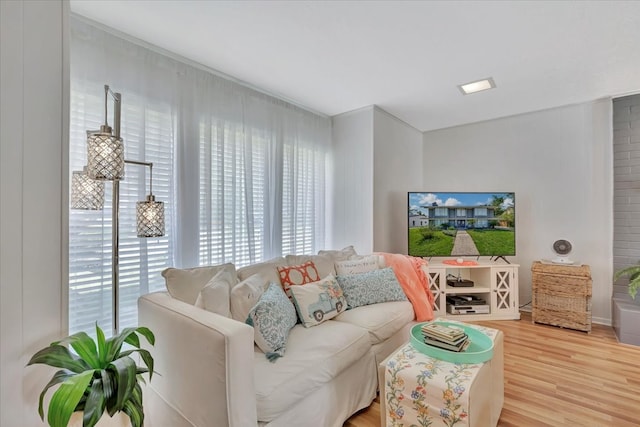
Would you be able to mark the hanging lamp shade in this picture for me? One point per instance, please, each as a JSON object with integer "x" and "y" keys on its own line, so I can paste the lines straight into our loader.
{"x": 105, "y": 156}
{"x": 150, "y": 217}
{"x": 86, "y": 193}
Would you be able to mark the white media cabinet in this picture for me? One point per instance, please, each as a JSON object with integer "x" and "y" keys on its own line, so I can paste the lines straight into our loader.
{"x": 494, "y": 282}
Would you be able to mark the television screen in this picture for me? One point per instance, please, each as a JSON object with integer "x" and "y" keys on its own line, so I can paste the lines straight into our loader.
{"x": 461, "y": 224}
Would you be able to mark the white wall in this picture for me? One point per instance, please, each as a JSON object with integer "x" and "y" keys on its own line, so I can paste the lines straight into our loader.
{"x": 559, "y": 164}
{"x": 397, "y": 170}
{"x": 33, "y": 134}
{"x": 350, "y": 219}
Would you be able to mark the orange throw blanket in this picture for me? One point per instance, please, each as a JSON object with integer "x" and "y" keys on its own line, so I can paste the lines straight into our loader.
{"x": 414, "y": 282}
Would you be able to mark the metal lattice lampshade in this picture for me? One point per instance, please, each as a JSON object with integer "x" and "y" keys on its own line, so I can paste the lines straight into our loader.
{"x": 86, "y": 193}
{"x": 150, "y": 217}
{"x": 105, "y": 156}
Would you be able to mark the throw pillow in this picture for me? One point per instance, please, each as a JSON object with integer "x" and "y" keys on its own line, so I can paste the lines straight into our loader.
{"x": 245, "y": 295}
{"x": 357, "y": 266}
{"x": 318, "y": 301}
{"x": 186, "y": 284}
{"x": 214, "y": 296}
{"x": 297, "y": 275}
{"x": 272, "y": 318}
{"x": 323, "y": 263}
{"x": 341, "y": 255}
{"x": 266, "y": 269}
{"x": 371, "y": 287}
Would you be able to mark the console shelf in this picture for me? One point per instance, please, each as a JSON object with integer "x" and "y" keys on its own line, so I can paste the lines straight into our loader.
{"x": 494, "y": 282}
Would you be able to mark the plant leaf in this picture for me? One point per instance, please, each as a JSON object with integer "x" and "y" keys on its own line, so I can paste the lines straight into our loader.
{"x": 57, "y": 378}
{"x": 115, "y": 344}
{"x": 146, "y": 358}
{"x": 84, "y": 345}
{"x": 94, "y": 406}
{"x": 108, "y": 385}
{"x": 135, "y": 413}
{"x": 629, "y": 271}
{"x": 133, "y": 340}
{"x": 59, "y": 356}
{"x": 102, "y": 347}
{"x": 66, "y": 397}
{"x": 125, "y": 378}
{"x": 146, "y": 332}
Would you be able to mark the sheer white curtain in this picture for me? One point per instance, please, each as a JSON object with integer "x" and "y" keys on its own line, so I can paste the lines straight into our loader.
{"x": 242, "y": 174}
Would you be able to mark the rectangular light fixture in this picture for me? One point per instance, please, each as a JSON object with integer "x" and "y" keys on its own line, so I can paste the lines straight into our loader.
{"x": 477, "y": 86}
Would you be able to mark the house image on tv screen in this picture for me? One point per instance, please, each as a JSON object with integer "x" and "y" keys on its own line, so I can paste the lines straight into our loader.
{"x": 442, "y": 224}
{"x": 460, "y": 216}
{"x": 457, "y": 217}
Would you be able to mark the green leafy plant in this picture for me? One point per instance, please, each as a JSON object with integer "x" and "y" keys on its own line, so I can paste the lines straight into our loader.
{"x": 634, "y": 278}
{"x": 100, "y": 377}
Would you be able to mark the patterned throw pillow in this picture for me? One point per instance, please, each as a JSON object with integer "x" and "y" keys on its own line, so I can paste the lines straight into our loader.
{"x": 272, "y": 318}
{"x": 319, "y": 301}
{"x": 298, "y": 275}
{"x": 357, "y": 266}
{"x": 371, "y": 287}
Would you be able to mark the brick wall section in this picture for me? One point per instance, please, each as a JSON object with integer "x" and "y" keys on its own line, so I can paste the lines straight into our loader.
{"x": 626, "y": 178}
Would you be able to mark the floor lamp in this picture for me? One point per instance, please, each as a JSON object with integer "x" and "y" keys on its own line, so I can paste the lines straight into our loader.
{"x": 106, "y": 162}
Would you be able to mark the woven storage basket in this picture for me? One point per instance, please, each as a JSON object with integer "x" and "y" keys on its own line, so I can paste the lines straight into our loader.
{"x": 562, "y": 295}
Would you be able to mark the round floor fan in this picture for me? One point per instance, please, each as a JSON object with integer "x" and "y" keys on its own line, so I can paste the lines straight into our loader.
{"x": 562, "y": 248}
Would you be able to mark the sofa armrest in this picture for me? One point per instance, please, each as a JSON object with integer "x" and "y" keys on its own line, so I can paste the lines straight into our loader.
{"x": 204, "y": 363}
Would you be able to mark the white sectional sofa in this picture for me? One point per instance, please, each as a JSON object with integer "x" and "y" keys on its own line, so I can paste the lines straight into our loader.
{"x": 212, "y": 373}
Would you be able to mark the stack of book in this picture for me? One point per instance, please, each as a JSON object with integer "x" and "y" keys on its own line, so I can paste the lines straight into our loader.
{"x": 445, "y": 337}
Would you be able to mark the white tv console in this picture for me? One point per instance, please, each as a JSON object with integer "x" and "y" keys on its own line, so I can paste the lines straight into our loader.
{"x": 494, "y": 282}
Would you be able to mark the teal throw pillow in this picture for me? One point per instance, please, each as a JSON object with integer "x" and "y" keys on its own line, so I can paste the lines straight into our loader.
{"x": 371, "y": 287}
{"x": 272, "y": 318}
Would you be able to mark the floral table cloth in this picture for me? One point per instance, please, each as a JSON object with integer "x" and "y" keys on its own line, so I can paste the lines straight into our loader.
{"x": 423, "y": 391}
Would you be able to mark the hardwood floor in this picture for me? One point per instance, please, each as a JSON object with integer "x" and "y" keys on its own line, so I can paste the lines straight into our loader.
{"x": 559, "y": 377}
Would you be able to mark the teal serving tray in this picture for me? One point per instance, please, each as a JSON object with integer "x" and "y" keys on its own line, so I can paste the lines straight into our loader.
{"x": 479, "y": 350}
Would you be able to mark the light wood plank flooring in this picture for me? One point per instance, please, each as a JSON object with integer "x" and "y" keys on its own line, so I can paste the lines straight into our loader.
{"x": 559, "y": 377}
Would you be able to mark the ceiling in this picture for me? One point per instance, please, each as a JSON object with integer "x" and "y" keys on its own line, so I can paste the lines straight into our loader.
{"x": 405, "y": 56}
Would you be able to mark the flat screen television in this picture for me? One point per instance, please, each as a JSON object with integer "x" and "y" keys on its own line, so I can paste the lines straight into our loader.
{"x": 461, "y": 224}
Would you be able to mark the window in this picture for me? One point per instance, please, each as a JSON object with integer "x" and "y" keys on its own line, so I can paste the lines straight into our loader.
{"x": 442, "y": 212}
{"x": 480, "y": 211}
{"x": 259, "y": 197}
{"x": 241, "y": 173}
{"x": 461, "y": 213}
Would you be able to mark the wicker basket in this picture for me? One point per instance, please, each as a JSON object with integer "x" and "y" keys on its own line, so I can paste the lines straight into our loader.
{"x": 562, "y": 295}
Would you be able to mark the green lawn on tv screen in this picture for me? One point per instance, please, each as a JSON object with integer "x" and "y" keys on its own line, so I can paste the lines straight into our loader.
{"x": 487, "y": 241}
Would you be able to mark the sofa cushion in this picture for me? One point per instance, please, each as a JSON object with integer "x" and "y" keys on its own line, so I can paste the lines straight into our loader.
{"x": 214, "y": 296}
{"x": 297, "y": 275}
{"x": 319, "y": 301}
{"x": 268, "y": 270}
{"x": 272, "y": 318}
{"x": 186, "y": 284}
{"x": 323, "y": 263}
{"x": 371, "y": 288}
{"x": 357, "y": 266}
{"x": 315, "y": 356}
{"x": 340, "y": 255}
{"x": 381, "y": 320}
{"x": 245, "y": 295}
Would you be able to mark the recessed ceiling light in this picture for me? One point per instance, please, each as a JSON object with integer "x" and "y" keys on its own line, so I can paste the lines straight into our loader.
{"x": 477, "y": 86}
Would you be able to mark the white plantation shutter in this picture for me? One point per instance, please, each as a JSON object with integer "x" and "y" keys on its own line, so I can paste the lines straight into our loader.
{"x": 261, "y": 182}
